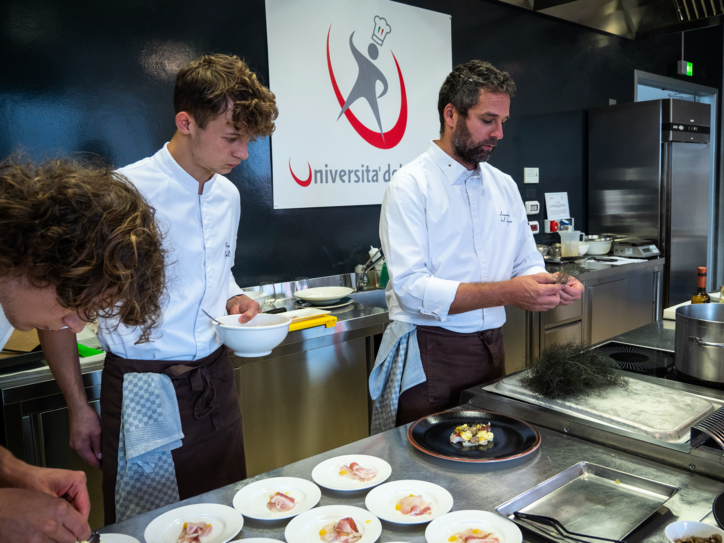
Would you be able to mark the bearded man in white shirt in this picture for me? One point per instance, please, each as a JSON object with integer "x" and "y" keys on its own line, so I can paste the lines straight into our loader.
{"x": 70, "y": 236}
{"x": 458, "y": 246}
{"x": 220, "y": 106}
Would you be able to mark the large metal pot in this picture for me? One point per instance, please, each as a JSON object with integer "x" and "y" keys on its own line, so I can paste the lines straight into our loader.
{"x": 700, "y": 342}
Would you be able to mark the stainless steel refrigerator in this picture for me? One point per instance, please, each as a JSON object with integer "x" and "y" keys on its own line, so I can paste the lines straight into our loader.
{"x": 648, "y": 177}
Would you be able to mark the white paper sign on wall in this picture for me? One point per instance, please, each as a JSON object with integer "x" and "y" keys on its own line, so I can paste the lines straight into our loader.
{"x": 356, "y": 85}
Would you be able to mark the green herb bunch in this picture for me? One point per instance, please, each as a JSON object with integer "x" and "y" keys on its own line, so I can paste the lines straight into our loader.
{"x": 571, "y": 370}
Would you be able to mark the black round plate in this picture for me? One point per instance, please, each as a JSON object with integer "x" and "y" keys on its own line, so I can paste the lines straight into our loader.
{"x": 718, "y": 509}
{"x": 513, "y": 437}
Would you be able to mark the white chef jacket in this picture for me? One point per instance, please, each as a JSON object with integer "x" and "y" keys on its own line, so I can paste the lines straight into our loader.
{"x": 6, "y": 329}
{"x": 201, "y": 242}
{"x": 442, "y": 225}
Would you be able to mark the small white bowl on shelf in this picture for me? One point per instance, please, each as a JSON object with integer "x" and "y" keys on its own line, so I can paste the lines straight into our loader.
{"x": 255, "y": 338}
{"x": 689, "y": 528}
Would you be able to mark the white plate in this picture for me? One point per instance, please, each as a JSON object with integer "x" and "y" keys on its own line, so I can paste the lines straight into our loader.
{"x": 226, "y": 522}
{"x": 251, "y": 500}
{"x": 305, "y": 528}
{"x": 299, "y": 315}
{"x": 442, "y": 528}
{"x": 341, "y": 303}
{"x": 382, "y": 501}
{"x": 118, "y": 538}
{"x": 327, "y": 474}
{"x": 257, "y": 540}
{"x": 323, "y": 294}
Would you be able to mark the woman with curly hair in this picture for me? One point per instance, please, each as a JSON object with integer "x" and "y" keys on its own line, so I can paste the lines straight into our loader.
{"x": 76, "y": 241}
{"x": 220, "y": 106}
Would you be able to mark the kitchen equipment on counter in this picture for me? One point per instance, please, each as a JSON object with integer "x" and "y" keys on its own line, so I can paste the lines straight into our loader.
{"x": 592, "y": 499}
{"x": 635, "y": 248}
{"x": 256, "y": 295}
{"x": 688, "y": 528}
{"x": 717, "y": 509}
{"x": 569, "y": 242}
{"x": 598, "y": 244}
{"x": 699, "y": 347}
{"x": 582, "y": 248}
{"x": 323, "y": 296}
{"x": 513, "y": 438}
{"x": 270, "y": 301}
{"x": 558, "y": 527}
{"x": 649, "y": 177}
{"x": 255, "y": 338}
{"x": 554, "y": 251}
{"x": 334, "y": 305}
{"x": 328, "y": 321}
{"x": 542, "y": 249}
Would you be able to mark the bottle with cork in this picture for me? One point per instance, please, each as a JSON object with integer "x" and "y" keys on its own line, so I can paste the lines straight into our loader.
{"x": 701, "y": 296}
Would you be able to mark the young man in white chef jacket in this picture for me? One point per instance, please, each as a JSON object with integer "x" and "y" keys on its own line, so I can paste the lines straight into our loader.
{"x": 220, "y": 106}
{"x": 458, "y": 246}
{"x": 68, "y": 236}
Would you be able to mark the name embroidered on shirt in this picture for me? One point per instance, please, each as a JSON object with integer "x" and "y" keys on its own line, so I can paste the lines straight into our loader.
{"x": 227, "y": 253}
{"x": 505, "y": 217}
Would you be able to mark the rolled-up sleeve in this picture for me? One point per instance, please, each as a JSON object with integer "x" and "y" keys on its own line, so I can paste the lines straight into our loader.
{"x": 528, "y": 261}
{"x": 403, "y": 233}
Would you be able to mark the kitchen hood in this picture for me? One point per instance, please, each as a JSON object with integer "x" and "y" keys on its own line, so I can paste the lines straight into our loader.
{"x": 631, "y": 18}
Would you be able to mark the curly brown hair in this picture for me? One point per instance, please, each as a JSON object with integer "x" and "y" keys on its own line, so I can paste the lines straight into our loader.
{"x": 205, "y": 87}
{"x": 462, "y": 87}
{"x": 87, "y": 231}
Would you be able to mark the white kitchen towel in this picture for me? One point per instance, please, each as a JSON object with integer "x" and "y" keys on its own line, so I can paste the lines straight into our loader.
{"x": 398, "y": 367}
{"x": 150, "y": 430}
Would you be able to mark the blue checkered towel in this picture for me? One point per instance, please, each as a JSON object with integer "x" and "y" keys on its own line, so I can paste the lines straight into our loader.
{"x": 150, "y": 430}
{"x": 398, "y": 367}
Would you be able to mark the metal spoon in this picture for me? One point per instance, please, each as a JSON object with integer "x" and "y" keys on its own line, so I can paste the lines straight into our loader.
{"x": 212, "y": 318}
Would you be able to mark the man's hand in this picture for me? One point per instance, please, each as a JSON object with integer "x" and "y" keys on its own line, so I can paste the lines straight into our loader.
{"x": 537, "y": 292}
{"x": 59, "y": 483}
{"x": 85, "y": 434}
{"x": 571, "y": 291}
{"x": 34, "y": 517}
{"x": 244, "y": 306}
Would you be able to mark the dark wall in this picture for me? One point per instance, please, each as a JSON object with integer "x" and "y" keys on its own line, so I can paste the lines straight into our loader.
{"x": 82, "y": 76}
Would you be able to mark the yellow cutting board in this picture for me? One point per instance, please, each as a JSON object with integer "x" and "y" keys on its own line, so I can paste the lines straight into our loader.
{"x": 323, "y": 320}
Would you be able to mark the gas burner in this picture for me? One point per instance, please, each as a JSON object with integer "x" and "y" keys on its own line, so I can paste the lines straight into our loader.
{"x": 638, "y": 359}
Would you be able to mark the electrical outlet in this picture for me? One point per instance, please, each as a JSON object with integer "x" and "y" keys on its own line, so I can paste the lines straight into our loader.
{"x": 530, "y": 175}
{"x": 532, "y": 208}
{"x": 551, "y": 227}
{"x": 534, "y": 227}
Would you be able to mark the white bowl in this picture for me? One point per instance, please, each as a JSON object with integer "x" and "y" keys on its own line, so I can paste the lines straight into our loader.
{"x": 686, "y": 528}
{"x": 255, "y": 338}
{"x": 599, "y": 247}
{"x": 582, "y": 248}
{"x": 323, "y": 294}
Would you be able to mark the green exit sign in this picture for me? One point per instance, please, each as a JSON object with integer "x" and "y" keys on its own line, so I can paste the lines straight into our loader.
{"x": 685, "y": 68}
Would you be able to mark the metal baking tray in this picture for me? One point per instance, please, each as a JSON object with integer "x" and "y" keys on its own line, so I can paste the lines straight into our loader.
{"x": 642, "y": 407}
{"x": 592, "y": 500}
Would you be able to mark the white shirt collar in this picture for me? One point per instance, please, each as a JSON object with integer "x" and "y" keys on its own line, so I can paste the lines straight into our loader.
{"x": 454, "y": 171}
{"x": 178, "y": 174}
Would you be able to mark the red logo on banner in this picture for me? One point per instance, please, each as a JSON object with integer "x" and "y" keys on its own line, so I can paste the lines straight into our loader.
{"x": 301, "y": 182}
{"x": 364, "y": 88}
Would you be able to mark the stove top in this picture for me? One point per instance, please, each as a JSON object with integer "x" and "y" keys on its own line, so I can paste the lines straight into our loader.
{"x": 639, "y": 359}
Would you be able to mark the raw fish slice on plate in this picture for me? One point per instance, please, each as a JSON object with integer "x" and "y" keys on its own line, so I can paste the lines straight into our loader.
{"x": 474, "y": 535}
{"x": 279, "y": 503}
{"x": 357, "y": 472}
{"x": 192, "y": 532}
{"x": 344, "y": 531}
{"x": 414, "y": 506}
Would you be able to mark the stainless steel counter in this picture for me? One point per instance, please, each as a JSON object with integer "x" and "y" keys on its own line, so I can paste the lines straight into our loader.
{"x": 587, "y": 269}
{"x": 472, "y": 486}
{"x": 659, "y": 335}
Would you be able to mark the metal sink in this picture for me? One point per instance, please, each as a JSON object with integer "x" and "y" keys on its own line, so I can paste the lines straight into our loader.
{"x": 374, "y": 298}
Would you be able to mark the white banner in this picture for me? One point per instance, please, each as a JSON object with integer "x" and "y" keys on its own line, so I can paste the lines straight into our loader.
{"x": 357, "y": 85}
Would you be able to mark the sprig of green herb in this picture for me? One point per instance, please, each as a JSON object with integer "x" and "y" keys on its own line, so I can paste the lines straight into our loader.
{"x": 571, "y": 370}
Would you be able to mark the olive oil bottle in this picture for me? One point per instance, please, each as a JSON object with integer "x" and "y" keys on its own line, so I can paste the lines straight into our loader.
{"x": 701, "y": 297}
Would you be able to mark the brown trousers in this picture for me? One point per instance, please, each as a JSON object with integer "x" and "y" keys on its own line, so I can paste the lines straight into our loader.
{"x": 212, "y": 454}
{"x": 452, "y": 363}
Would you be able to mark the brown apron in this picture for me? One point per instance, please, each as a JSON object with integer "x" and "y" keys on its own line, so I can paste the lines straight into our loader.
{"x": 452, "y": 362}
{"x": 212, "y": 454}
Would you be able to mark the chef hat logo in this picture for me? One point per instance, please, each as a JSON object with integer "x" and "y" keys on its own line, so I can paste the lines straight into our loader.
{"x": 381, "y": 30}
